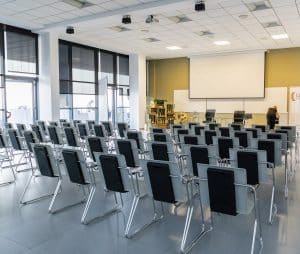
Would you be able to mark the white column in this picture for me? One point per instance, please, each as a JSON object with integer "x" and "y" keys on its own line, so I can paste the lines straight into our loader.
{"x": 48, "y": 90}
{"x": 137, "y": 72}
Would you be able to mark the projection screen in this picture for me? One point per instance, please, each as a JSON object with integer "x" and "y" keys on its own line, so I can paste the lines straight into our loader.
{"x": 239, "y": 75}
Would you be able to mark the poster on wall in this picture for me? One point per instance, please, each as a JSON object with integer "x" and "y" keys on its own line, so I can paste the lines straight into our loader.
{"x": 294, "y": 112}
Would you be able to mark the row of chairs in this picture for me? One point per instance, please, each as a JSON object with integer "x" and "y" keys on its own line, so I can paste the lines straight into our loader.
{"x": 172, "y": 171}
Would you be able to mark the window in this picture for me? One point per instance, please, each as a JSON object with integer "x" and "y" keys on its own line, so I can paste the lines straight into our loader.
{"x": 81, "y": 68}
{"x": 78, "y": 85}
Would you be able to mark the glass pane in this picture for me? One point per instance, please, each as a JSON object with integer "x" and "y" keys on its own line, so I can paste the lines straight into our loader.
{"x": 19, "y": 107}
{"x": 111, "y": 106}
{"x": 123, "y": 97}
{"x": 107, "y": 66}
{"x": 64, "y": 64}
{"x": 123, "y": 75}
{"x": 20, "y": 53}
{"x": 65, "y": 87}
{"x": 84, "y": 114}
{"x": 84, "y": 101}
{"x": 65, "y": 114}
{"x": 65, "y": 101}
{"x": 83, "y": 64}
{"x": 84, "y": 88}
{"x": 123, "y": 115}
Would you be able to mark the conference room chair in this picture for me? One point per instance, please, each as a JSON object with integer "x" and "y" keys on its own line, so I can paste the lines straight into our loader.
{"x": 157, "y": 130}
{"x": 82, "y": 130}
{"x": 122, "y": 129}
{"x": 198, "y": 130}
{"x": 5, "y": 160}
{"x": 72, "y": 138}
{"x": 213, "y": 126}
{"x": 109, "y": 128}
{"x": 18, "y": 149}
{"x": 203, "y": 154}
{"x": 66, "y": 124}
{"x": 90, "y": 124}
{"x": 225, "y": 131}
{"x": 256, "y": 166}
{"x": 96, "y": 145}
{"x": 162, "y": 151}
{"x": 21, "y": 128}
{"x": 161, "y": 137}
{"x": 236, "y": 126}
{"x": 192, "y": 140}
{"x": 80, "y": 175}
{"x": 256, "y": 132}
{"x": 227, "y": 183}
{"x": 263, "y": 128}
{"x": 42, "y": 125}
{"x": 223, "y": 145}
{"x": 38, "y": 132}
{"x": 140, "y": 142}
{"x": 54, "y": 123}
{"x": 55, "y": 136}
{"x": 75, "y": 122}
{"x": 164, "y": 184}
{"x": 100, "y": 131}
{"x": 191, "y": 124}
{"x": 180, "y": 132}
{"x": 47, "y": 168}
{"x": 208, "y": 135}
{"x": 244, "y": 138}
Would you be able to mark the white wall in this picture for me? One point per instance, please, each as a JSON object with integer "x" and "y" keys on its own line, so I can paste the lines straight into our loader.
{"x": 137, "y": 72}
{"x": 48, "y": 90}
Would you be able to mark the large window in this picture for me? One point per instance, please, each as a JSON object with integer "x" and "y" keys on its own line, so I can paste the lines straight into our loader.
{"x": 78, "y": 71}
{"x": 18, "y": 75}
{"x": 81, "y": 70}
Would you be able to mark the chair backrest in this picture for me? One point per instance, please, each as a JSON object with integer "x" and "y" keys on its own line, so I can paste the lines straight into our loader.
{"x": 30, "y": 138}
{"x": 163, "y": 181}
{"x": 36, "y": 129}
{"x": 292, "y": 132}
{"x": 286, "y": 134}
{"x": 224, "y": 144}
{"x": 157, "y": 130}
{"x": 137, "y": 136}
{"x": 190, "y": 125}
{"x": 279, "y": 136}
{"x": 180, "y": 132}
{"x": 54, "y": 123}
{"x": 212, "y": 126}
{"x": 221, "y": 189}
{"x": 192, "y": 140}
{"x": 209, "y": 134}
{"x": 3, "y": 143}
{"x": 128, "y": 148}
{"x": 224, "y": 131}
{"x": 122, "y": 128}
{"x": 96, "y": 145}
{"x": 71, "y": 137}
{"x": 236, "y": 127}
{"x": 75, "y": 165}
{"x": 243, "y": 138}
{"x": 255, "y": 132}
{"x": 114, "y": 171}
{"x": 159, "y": 137}
{"x": 45, "y": 160}
{"x": 54, "y": 135}
{"x": 108, "y": 127}
{"x": 66, "y": 124}
{"x": 198, "y": 130}
{"x": 99, "y": 130}
{"x": 90, "y": 124}
{"x": 14, "y": 139}
{"x": 75, "y": 122}
{"x": 198, "y": 154}
{"x": 42, "y": 125}
{"x": 163, "y": 151}
{"x": 263, "y": 128}
{"x": 21, "y": 128}
{"x": 82, "y": 130}
{"x": 272, "y": 150}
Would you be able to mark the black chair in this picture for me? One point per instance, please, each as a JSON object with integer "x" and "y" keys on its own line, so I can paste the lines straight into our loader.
{"x": 164, "y": 184}
{"x": 243, "y": 138}
{"x": 128, "y": 148}
{"x": 213, "y": 126}
{"x": 138, "y": 137}
{"x": 21, "y": 128}
{"x": 224, "y": 131}
{"x": 96, "y": 145}
{"x": 37, "y": 130}
{"x": 100, "y": 131}
{"x": 82, "y": 130}
{"x": 47, "y": 166}
{"x": 224, "y": 145}
{"x": 179, "y": 133}
{"x": 236, "y": 127}
{"x": 71, "y": 137}
{"x": 54, "y": 123}
{"x": 157, "y": 130}
{"x": 122, "y": 128}
{"x": 66, "y": 124}
{"x": 208, "y": 134}
{"x": 190, "y": 125}
{"x": 254, "y": 131}
{"x": 198, "y": 130}
{"x": 90, "y": 124}
{"x": 42, "y": 125}
{"x": 162, "y": 151}
{"x": 193, "y": 140}
{"x": 108, "y": 128}
{"x": 54, "y": 135}
{"x": 225, "y": 191}
{"x": 263, "y": 128}
{"x": 5, "y": 158}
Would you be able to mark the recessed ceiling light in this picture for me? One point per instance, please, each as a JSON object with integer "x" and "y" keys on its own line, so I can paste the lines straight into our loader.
{"x": 173, "y": 48}
{"x": 280, "y": 36}
{"x": 221, "y": 43}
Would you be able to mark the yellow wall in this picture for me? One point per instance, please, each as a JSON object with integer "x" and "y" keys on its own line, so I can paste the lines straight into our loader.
{"x": 167, "y": 75}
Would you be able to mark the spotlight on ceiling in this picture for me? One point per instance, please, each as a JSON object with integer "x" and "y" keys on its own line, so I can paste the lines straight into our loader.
{"x": 200, "y": 5}
{"x": 126, "y": 19}
{"x": 70, "y": 30}
{"x": 151, "y": 19}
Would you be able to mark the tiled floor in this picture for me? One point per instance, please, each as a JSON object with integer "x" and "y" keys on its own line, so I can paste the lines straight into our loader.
{"x": 31, "y": 230}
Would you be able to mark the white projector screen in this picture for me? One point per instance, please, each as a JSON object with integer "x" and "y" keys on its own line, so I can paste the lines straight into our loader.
{"x": 239, "y": 75}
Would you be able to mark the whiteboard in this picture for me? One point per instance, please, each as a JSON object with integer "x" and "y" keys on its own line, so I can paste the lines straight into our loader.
{"x": 273, "y": 96}
{"x": 230, "y": 75}
{"x": 184, "y": 104}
